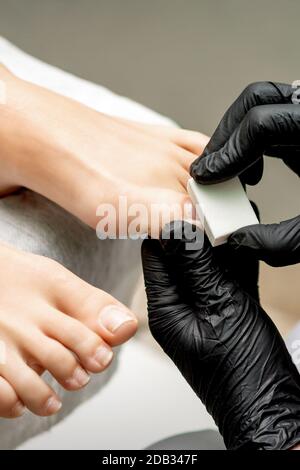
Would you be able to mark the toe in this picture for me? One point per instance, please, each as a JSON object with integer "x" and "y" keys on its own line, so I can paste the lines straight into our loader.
{"x": 10, "y": 404}
{"x": 116, "y": 324}
{"x": 93, "y": 353}
{"x": 192, "y": 141}
{"x": 59, "y": 361}
{"x": 185, "y": 159}
{"x": 175, "y": 206}
{"x": 32, "y": 391}
{"x": 97, "y": 310}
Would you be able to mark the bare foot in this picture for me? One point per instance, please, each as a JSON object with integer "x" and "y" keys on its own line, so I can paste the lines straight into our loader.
{"x": 51, "y": 320}
{"x": 79, "y": 158}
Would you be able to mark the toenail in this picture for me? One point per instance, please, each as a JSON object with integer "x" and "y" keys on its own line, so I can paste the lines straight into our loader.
{"x": 18, "y": 409}
{"x": 53, "y": 405}
{"x": 103, "y": 356}
{"x": 112, "y": 317}
{"x": 79, "y": 379}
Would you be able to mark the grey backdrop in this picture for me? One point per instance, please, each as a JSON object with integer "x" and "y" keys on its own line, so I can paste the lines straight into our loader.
{"x": 185, "y": 58}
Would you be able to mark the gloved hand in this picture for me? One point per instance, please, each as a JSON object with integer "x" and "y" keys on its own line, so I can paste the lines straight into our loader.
{"x": 263, "y": 120}
{"x": 224, "y": 344}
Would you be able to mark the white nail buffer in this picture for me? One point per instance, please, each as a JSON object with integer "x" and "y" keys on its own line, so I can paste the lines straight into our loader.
{"x": 222, "y": 208}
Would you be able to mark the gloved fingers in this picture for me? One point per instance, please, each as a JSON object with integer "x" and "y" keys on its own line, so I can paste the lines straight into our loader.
{"x": 253, "y": 174}
{"x": 255, "y": 94}
{"x": 231, "y": 355}
{"x": 196, "y": 268}
{"x": 240, "y": 265}
{"x": 276, "y": 244}
{"x": 160, "y": 285}
{"x": 169, "y": 316}
{"x": 262, "y": 127}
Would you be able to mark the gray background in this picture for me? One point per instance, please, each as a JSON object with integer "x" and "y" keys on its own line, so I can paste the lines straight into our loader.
{"x": 185, "y": 58}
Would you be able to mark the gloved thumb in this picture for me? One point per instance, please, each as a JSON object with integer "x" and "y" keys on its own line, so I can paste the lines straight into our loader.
{"x": 168, "y": 314}
{"x": 160, "y": 287}
{"x": 196, "y": 266}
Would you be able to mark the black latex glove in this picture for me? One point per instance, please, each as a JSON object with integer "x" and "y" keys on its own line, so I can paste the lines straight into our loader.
{"x": 263, "y": 120}
{"x": 224, "y": 344}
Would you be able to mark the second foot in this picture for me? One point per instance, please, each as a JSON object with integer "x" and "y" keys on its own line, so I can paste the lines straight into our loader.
{"x": 52, "y": 320}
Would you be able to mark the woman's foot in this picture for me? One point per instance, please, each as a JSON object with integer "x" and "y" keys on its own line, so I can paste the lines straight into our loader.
{"x": 51, "y": 320}
{"x": 80, "y": 158}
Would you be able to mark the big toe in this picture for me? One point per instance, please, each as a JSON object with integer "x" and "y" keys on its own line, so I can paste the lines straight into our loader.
{"x": 96, "y": 309}
{"x": 116, "y": 323}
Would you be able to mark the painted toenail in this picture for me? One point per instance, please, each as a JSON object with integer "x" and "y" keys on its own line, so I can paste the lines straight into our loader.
{"x": 79, "y": 379}
{"x": 53, "y": 405}
{"x": 103, "y": 356}
{"x": 19, "y": 409}
{"x": 112, "y": 317}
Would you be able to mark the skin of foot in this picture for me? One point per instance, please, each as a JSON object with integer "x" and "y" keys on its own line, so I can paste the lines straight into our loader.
{"x": 80, "y": 158}
{"x": 52, "y": 320}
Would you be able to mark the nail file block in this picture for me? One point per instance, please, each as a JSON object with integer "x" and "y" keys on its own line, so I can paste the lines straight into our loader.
{"x": 222, "y": 208}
